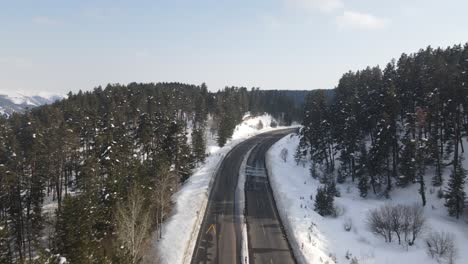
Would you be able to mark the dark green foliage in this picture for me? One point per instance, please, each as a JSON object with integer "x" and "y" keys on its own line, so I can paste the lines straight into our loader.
{"x": 225, "y": 128}
{"x": 94, "y": 145}
{"x": 317, "y": 130}
{"x": 362, "y": 172}
{"x": 232, "y": 103}
{"x": 421, "y": 169}
{"x": 313, "y": 170}
{"x": 5, "y": 250}
{"x": 74, "y": 232}
{"x": 363, "y": 185}
{"x": 199, "y": 145}
{"x": 284, "y": 106}
{"x": 408, "y": 162}
{"x": 341, "y": 176}
{"x": 83, "y": 153}
{"x": 411, "y": 115}
{"x": 300, "y": 156}
{"x": 324, "y": 202}
{"x": 455, "y": 194}
{"x": 332, "y": 190}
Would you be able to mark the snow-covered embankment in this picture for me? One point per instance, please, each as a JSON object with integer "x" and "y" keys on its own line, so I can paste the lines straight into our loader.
{"x": 181, "y": 229}
{"x": 318, "y": 239}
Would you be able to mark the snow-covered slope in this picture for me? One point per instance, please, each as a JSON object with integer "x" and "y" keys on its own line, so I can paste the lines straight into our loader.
{"x": 181, "y": 229}
{"x": 18, "y": 102}
{"x": 318, "y": 239}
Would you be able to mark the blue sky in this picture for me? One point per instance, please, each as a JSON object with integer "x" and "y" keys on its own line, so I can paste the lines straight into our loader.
{"x": 62, "y": 45}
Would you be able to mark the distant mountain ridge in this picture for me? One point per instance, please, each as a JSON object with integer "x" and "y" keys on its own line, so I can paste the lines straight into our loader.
{"x": 17, "y": 102}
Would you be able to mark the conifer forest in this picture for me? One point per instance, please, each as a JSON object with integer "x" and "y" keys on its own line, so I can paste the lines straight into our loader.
{"x": 74, "y": 171}
{"x": 233, "y": 132}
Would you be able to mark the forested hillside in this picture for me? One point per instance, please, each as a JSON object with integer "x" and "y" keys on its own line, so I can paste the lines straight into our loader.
{"x": 394, "y": 127}
{"x": 88, "y": 178}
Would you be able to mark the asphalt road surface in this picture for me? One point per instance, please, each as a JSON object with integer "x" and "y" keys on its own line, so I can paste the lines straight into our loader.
{"x": 219, "y": 238}
{"x": 267, "y": 239}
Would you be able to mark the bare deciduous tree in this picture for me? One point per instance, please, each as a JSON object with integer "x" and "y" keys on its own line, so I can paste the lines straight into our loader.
{"x": 397, "y": 221}
{"x": 166, "y": 182}
{"x": 405, "y": 220}
{"x": 417, "y": 222}
{"x": 133, "y": 224}
{"x": 441, "y": 246}
{"x": 376, "y": 223}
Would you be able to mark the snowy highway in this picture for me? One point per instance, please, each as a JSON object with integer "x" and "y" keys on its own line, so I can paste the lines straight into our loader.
{"x": 266, "y": 237}
{"x": 219, "y": 238}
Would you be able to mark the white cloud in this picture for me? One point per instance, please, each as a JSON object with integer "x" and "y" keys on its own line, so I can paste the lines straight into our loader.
{"x": 356, "y": 20}
{"x": 322, "y": 5}
{"x": 44, "y": 20}
{"x": 347, "y": 19}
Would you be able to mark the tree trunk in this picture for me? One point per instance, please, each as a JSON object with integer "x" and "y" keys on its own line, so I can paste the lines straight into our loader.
{"x": 389, "y": 175}
{"x": 461, "y": 143}
{"x": 457, "y": 137}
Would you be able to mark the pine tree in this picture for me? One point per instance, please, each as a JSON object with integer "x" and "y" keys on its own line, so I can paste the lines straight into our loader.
{"x": 420, "y": 170}
{"x": 317, "y": 129}
{"x": 455, "y": 194}
{"x": 199, "y": 145}
{"x": 408, "y": 161}
{"x": 332, "y": 190}
{"x": 5, "y": 250}
{"x": 225, "y": 129}
{"x": 362, "y": 172}
{"x": 300, "y": 156}
{"x": 199, "y": 127}
{"x": 73, "y": 231}
{"x": 324, "y": 202}
{"x": 363, "y": 185}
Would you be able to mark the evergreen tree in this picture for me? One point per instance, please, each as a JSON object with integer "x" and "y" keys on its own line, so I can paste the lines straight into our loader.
{"x": 363, "y": 185}
{"x": 362, "y": 172}
{"x": 408, "y": 161}
{"x": 324, "y": 202}
{"x": 455, "y": 194}
{"x": 74, "y": 233}
{"x": 225, "y": 128}
{"x": 420, "y": 169}
{"x": 412, "y": 115}
{"x": 317, "y": 129}
{"x": 199, "y": 145}
{"x": 5, "y": 250}
{"x": 331, "y": 189}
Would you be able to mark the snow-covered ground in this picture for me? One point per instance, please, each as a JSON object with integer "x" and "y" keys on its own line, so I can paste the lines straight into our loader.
{"x": 324, "y": 240}
{"x": 181, "y": 229}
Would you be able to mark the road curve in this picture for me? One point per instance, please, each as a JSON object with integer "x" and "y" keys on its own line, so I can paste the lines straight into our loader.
{"x": 219, "y": 238}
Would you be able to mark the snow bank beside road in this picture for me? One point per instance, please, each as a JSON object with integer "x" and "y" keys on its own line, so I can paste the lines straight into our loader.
{"x": 181, "y": 230}
{"x": 317, "y": 239}
{"x": 289, "y": 184}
